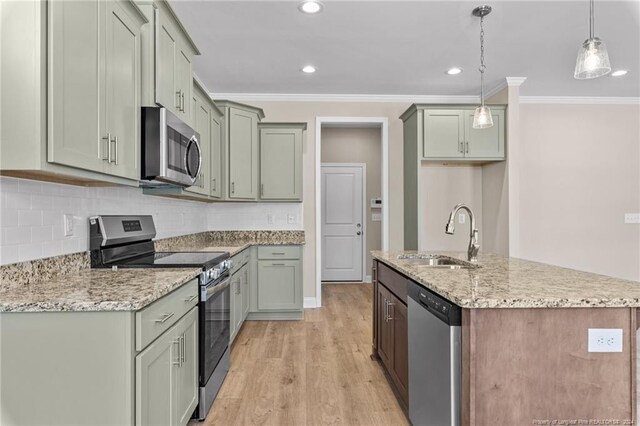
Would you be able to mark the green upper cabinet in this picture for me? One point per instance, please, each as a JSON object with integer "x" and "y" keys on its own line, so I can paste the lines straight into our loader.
{"x": 167, "y": 58}
{"x": 122, "y": 84}
{"x": 445, "y": 132}
{"x": 281, "y": 147}
{"x": 94, "y": 102}
{"x": 216, "y": 183}
{"x": 485, "y": 143}
{"x": 240, "y": 144}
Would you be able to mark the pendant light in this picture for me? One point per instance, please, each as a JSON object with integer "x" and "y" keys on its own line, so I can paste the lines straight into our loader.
{"x": 482, "y": 115}
{"x": 593, "y": 59}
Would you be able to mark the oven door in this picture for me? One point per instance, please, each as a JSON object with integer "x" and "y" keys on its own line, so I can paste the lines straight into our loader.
{"x": 215, "y": 324}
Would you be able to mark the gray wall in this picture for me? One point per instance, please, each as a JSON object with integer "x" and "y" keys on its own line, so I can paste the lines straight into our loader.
{"x": 359, "y": 145}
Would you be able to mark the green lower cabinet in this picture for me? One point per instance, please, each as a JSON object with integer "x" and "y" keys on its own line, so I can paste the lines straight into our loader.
{"x": 167, "y": 376}
{"x": 246, "y": 274}
{"x": 236, "y": 304}
{"x": 279, "y": 285}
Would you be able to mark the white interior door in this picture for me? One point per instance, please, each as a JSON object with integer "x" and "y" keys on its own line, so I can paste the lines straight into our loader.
{"x": 342, "y": 226}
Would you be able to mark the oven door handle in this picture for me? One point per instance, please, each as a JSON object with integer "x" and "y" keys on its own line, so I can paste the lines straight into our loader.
{"x": 208, "y": 292}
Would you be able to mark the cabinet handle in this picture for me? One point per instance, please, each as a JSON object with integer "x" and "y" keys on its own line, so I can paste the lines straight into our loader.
{"x": 461, "y": 147}
{"x": 182, "y": 350}
{"x": 179, "y": 361}
{"x": 277, "y": 253}
{"x": 116, "y": 150}
{"x": 191, "y": 299}
{"x": 467, "y": 147}
{"x": 182, "y": 101}
{"x": 164, "y": 318}
{"x": 386, "y": 310}
{"x": 214, "y": 183}
{"x": 108, "y": 139}
{"x": 233, "y": 187}
{"x": 277, "y": 264}
{"x": 262, "y": 189}
{"x": 178, "y": 94}
{"x": 389, "y": 305}
{"x": 374, "y": 274}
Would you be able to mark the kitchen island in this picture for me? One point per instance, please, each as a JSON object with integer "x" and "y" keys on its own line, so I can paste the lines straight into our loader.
{"x": 524, "y": 353}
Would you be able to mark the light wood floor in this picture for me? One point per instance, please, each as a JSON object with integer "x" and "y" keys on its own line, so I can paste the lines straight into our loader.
{"x": 312, "y": 372}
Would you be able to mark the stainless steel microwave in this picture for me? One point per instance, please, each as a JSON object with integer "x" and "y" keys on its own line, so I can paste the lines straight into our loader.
{"x": 171, "y": 152}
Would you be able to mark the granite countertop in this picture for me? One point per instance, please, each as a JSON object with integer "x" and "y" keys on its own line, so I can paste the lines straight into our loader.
{"x": 504, "y": 282}
{"x": 67, "y": 283}
{"x": 94, "y": 290}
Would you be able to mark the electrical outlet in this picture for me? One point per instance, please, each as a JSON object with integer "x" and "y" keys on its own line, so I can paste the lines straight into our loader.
{"x": 605, "y": 340}
{"x": 632, "y": 218}
{"x": 462, "y": 218}
{"x": 68, "y": 225}
{"x": 270, "y": 219}
{"x": 291, "y": 219}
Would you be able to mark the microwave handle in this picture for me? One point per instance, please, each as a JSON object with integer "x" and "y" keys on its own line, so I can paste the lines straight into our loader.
{"x": 197, "y": 173}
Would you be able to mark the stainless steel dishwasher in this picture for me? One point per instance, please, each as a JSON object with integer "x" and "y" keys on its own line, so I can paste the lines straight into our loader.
{"x": 434, "y": 358}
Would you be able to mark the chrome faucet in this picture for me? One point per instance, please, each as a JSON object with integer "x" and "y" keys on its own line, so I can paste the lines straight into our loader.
{"x": 474, "y": 245}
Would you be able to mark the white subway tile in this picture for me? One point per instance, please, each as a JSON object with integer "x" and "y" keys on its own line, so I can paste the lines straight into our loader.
{"x": 28, "y": 218}
{"x": 30, "y": 251}
{"x": 18, "y": 200}
{"x": 13, "y": 236}
{"x": 41, "y": 234}
{"x": 8, "y": 217}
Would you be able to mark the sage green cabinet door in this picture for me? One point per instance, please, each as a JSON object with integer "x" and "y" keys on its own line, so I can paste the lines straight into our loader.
{"x": 232, "y": 308}
{"x": 76, "y": 89}
{"x": 156, "y": 369}
{"x": 485, "y": 143}
{"x": 187, "y": 372}
{"x": 122, "y": 80}
{"x": 167, "y": 94}
{"x": 237, "y": 303}
{"x": 245, "y": 291}
{"x": 443, "y": 133}
{"x": 185, "y": 85}
{"x": 215, "y": 165}
{"x": 279, "y": 285}
{"x": 203, "y": 122}
{"x": 243, "y": 154}
{"x": 280, "y": 164}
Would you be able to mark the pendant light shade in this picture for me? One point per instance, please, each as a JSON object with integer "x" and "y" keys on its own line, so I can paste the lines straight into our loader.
{"x": 593, "y": 59}
{"x": 482, "y": 115}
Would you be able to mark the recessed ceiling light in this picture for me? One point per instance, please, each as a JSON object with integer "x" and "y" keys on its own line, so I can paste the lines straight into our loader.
{"x": 310, "y": 6}
{"x": 454, "y": 71}
{"x": 308, "y": 69}
{"x": 618, "y": 73}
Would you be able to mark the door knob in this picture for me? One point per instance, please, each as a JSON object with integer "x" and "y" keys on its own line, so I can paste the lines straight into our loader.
{"x": 358, "y": 225}
{"x": 358, "y": 233}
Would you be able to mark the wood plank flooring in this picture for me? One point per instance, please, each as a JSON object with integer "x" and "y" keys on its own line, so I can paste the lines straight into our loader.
{"x": 312, "y": 372}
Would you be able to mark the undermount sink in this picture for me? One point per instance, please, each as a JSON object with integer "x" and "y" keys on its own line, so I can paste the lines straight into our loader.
{"x": 441, "y": 262}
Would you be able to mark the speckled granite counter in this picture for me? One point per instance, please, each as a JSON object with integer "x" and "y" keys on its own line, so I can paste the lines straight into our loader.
{"x": 502, "y": 282}
{"x": 66, "y": 283}
{"x": 94, "y": 290}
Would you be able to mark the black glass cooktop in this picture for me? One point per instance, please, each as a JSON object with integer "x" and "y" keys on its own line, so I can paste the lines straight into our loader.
{"x": 203, "y": 259}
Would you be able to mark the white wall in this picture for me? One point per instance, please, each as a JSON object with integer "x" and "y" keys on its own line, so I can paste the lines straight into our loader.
{"x": 31, "y": 216}
{"x": 579, "y": 174}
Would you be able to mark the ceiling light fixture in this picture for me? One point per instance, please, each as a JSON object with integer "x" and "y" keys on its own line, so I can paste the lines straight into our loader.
{"x": 310, "y": 7}
{"x": 482, "y": 115}
{"x": 593, "y": 59}
{"x": 308, "y": 69}
{"x": 454, "y": 71}
{"x": 619, "y": 73}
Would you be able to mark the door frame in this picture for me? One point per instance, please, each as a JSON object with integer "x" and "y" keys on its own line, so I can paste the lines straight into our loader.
{"x": 379, "y": 122}
{"x": 362, "y": 166}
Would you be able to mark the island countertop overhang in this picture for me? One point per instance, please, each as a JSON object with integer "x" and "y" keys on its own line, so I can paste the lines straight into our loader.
{"x": 506, "y": 282}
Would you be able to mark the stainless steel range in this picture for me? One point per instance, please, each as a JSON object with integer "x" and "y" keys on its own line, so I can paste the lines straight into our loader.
{"x": 127, "y": 242}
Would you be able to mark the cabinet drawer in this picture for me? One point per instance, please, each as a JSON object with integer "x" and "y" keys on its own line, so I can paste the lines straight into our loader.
{"x": 279, "y": 252}
{"x": 158, "y": 317}
{"x": 392, "y": 280}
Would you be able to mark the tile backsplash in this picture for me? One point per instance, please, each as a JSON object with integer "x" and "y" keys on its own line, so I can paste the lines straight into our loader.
{"x": 32, "y": 216}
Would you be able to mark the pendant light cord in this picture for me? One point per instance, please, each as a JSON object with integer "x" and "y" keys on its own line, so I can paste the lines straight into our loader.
{"x": 482, "y": 67}
{"x": 591, "y": 20}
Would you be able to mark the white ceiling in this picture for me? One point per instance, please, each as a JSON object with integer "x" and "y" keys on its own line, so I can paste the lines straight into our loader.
{"x": 404, "y": 47}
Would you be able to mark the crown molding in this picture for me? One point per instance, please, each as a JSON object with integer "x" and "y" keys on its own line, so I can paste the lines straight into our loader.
{"x": 515, "y": 81}
{"x": 580, "y": 100}
{"x": 298, "y": 97}
{"x": 495, "y": 90}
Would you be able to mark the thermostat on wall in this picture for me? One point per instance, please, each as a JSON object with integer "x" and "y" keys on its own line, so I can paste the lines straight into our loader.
{"x": 376, "y": 203}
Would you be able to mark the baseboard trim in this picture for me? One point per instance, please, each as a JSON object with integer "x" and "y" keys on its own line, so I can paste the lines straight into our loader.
{"x": 310, "y": 302}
